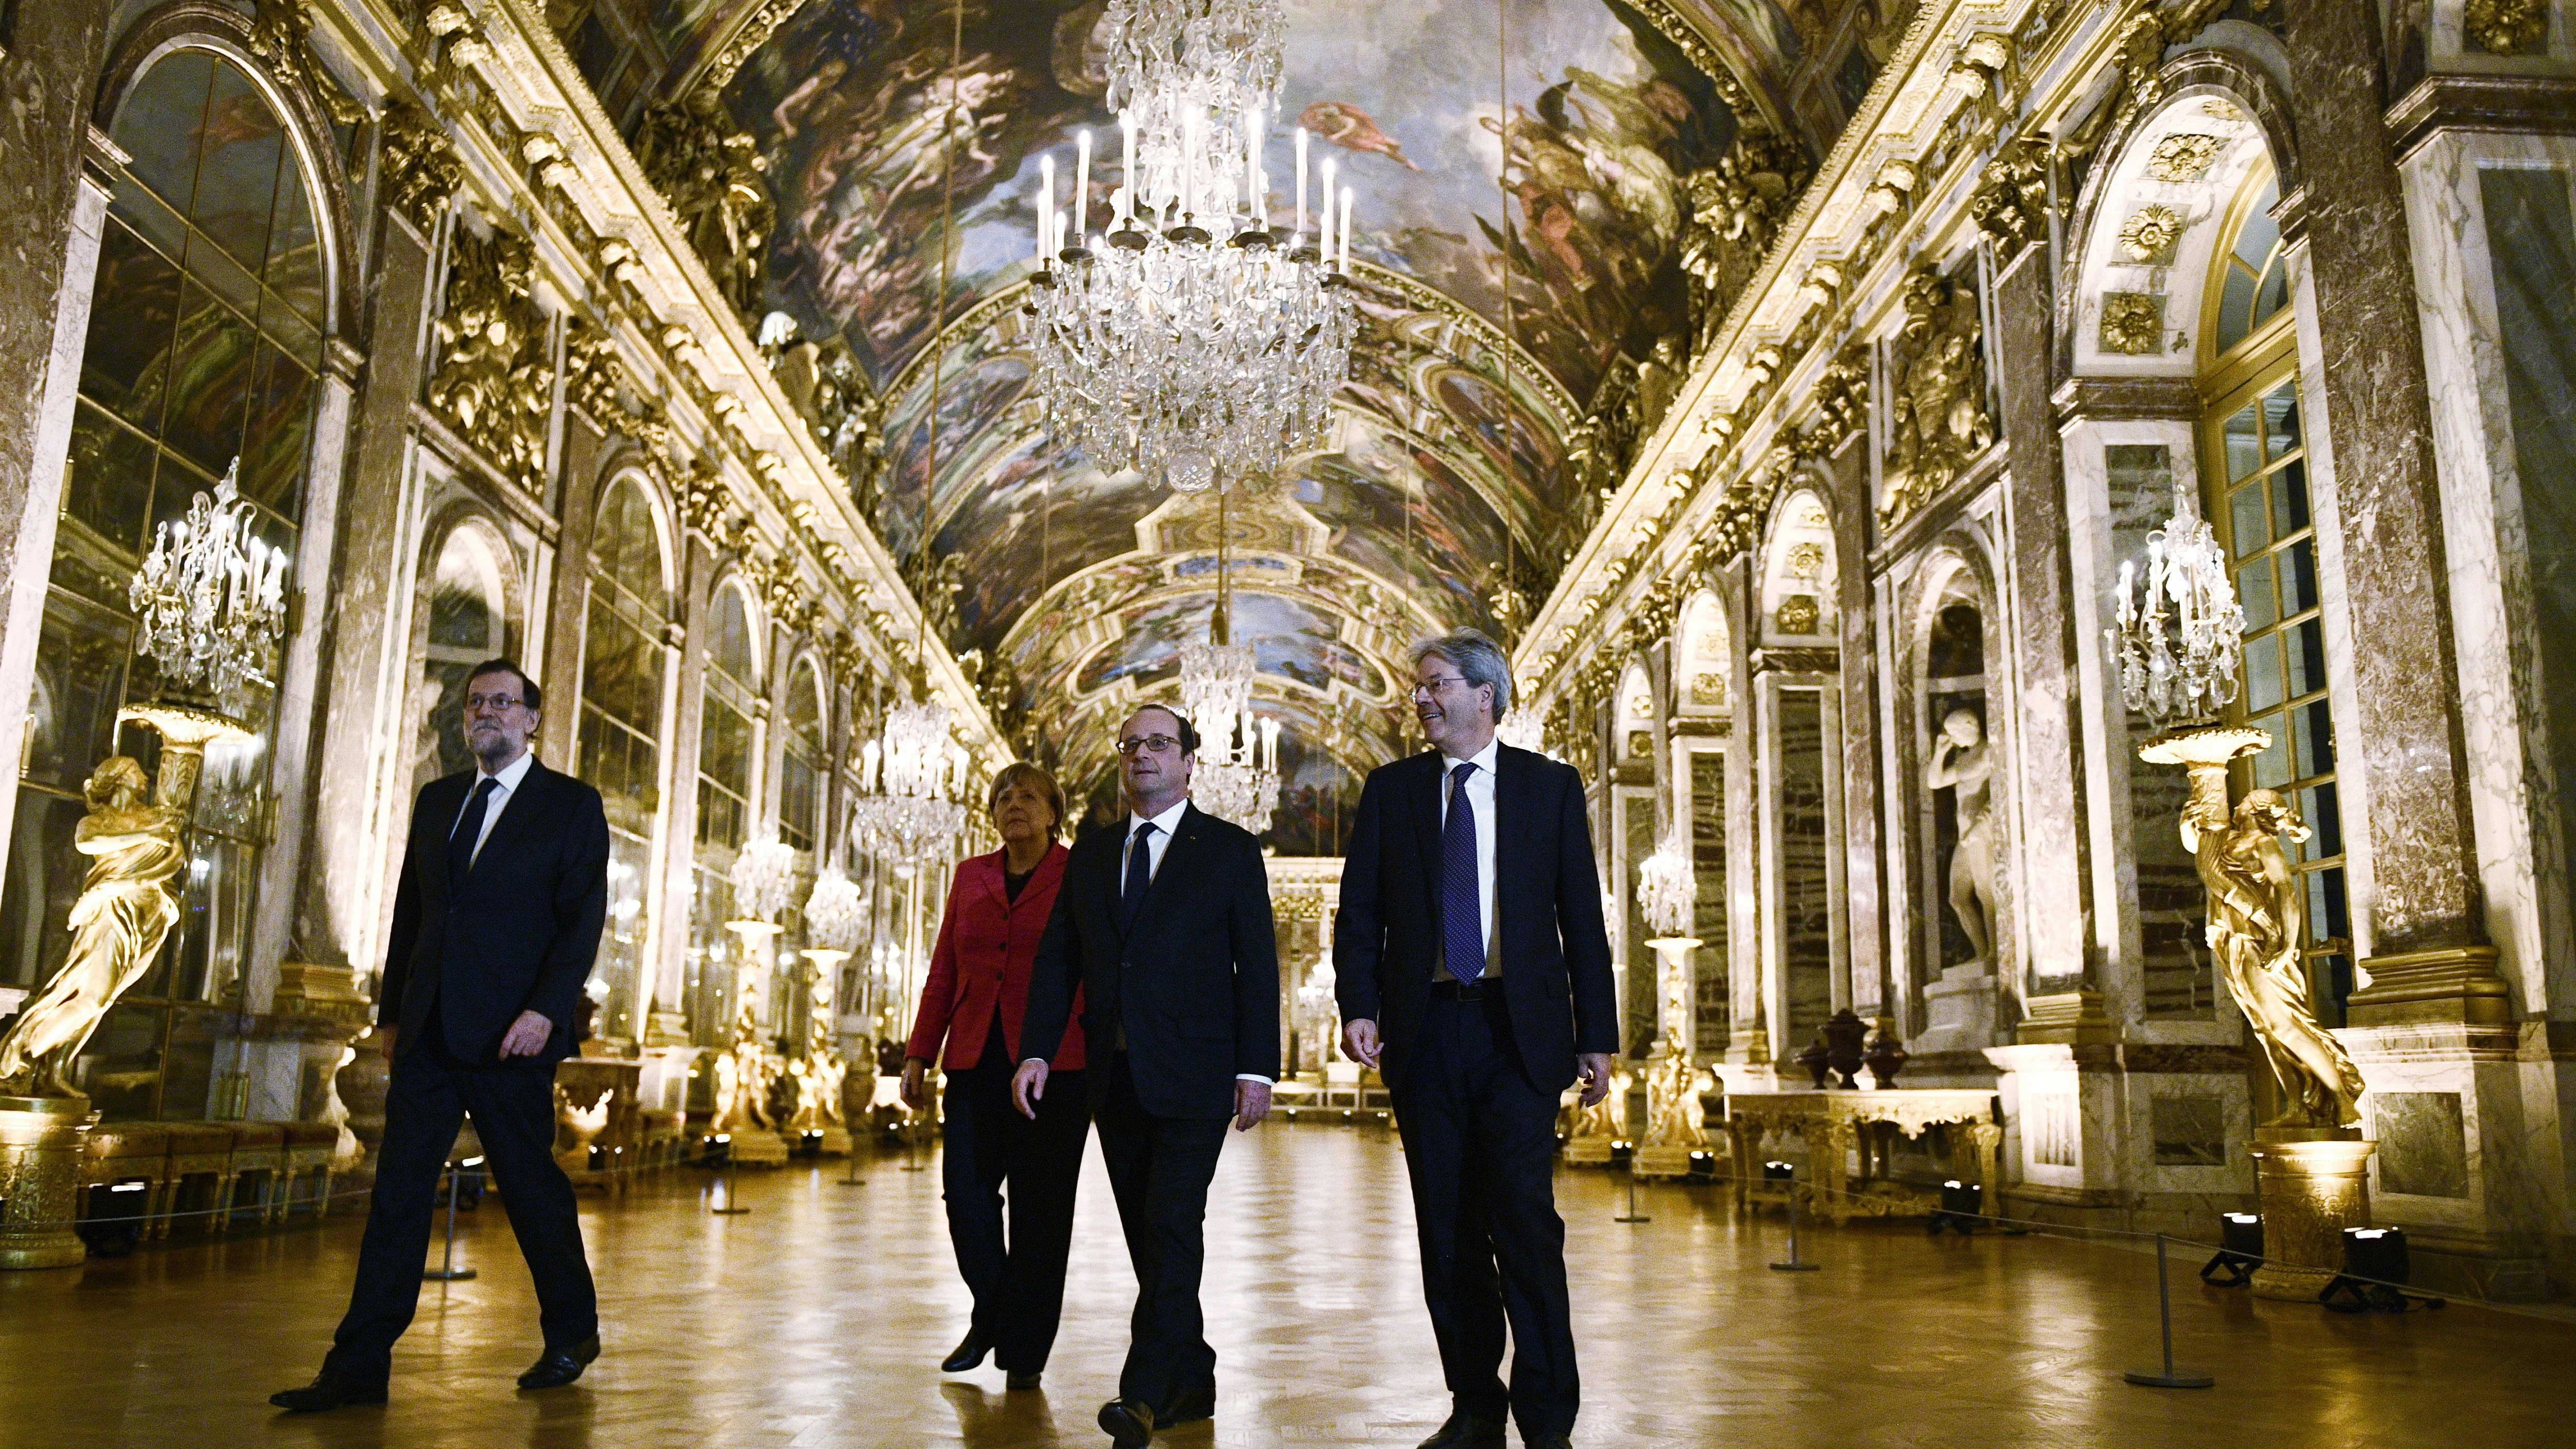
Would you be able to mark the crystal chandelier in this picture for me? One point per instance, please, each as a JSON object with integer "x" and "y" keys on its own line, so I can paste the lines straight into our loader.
{"x": 1522, "y": 728}
{"x": 1199, "y": 343}
{"x": 211, "y": 598}
{"x": 907, "y": 780}
{"x": 1668, "y": 889}
{"x": 1237, "y": 778}
{"x": 2179, "y": 646}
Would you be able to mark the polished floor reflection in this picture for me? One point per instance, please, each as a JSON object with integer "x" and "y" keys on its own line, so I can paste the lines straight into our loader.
{"x": 817, "y": 1318}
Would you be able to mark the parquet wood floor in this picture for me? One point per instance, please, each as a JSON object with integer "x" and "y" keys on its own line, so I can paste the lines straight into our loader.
{"x": 818, "y": 1318}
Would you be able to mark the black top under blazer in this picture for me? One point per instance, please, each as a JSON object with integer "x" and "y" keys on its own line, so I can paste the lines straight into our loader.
{"x": 522, "y": 934}
{"x": 1195, "y": 984}
{"x": 1550, "y": 950}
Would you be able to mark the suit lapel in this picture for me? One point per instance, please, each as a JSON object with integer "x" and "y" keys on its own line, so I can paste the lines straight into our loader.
{"x": 1514, "y": 804}
{"x": 1177, "y": 856}
{"x": 1426, "y": 820}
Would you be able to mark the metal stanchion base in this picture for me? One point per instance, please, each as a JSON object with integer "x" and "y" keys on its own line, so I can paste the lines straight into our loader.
{"x": 2175, "y": 1380}
{"x": 1632, "y": 1215}
{"x": 1796, "y": 1267}
{"x": 729, "y": 1209}
{"x": 445, "y": 1275}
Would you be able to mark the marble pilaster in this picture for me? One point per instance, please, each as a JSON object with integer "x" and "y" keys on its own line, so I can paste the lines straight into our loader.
{"x": 49, "y": 234}
{"x": 2399, "y": 750}
{"x": 679, "y": 783}
{"x": 2045, "y": 847}
{"x": 1863, "y": 894}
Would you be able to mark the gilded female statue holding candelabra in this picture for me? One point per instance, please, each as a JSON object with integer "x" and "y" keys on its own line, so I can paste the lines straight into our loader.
{"x": 2256, "y": 923}
{"x": 124, "y": 912}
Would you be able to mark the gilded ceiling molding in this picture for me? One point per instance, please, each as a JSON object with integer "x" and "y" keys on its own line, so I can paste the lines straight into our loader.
{"x": 1745, "y": 99}
{"x": 747, "y": 37}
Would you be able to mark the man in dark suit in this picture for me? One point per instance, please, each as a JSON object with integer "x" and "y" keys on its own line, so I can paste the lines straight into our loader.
{"x": 1475, "y": 975}
{"x": 1166, "y": 925}
{"x": 496, "y": 922}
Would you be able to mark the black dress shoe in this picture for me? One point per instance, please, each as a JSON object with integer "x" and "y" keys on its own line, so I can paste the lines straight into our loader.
{"x": 1129, "y": 1423}
{"x": 1189, "y": 1406}
{"x": 1466, "y": 1431}
{"x": 328, "y": 1391}
{"x": 557, "y": 1367}
{"x": 1548, "y": 1441}
{"x": 968, "y": 1353}
{"x": 1021, "y": 1383}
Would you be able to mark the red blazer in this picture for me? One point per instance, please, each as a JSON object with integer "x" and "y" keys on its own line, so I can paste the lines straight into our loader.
{"x": 987, "y": 942}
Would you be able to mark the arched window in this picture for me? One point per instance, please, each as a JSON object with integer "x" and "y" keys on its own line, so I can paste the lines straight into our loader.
{"x": 204, "y": 341}
{"x": 800, "y": 769}
{"x": 727, "y": 750}
{"x": 2255, "y": 484}
{"x": 621, "y": 727}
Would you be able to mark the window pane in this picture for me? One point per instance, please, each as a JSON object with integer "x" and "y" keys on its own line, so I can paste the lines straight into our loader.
{"x": 2290, "y": 496}
{"x": 2254, "y": 238}
{"x": 2235, "y": 309}
{"x": 280, "y": 424}
{"x": 2253, "y": 529}
{"x": 110, "y": 487}
{"x": 2272, "y": 766}
{"x": 2273, "y": 294}
{"x": 2307, "y": 650}
{"x": 210, "y": 379}
{"x": 2244, "y": 449}
{"x": 2334, "y": 917}
{"x": 294, "y": 249}
{"x": 2319, "y": 806}
{"x": 2262, "y": 673}
{"x": 237, "y": 177}
{"x": 126, "y": 358}
{"x": 2281, "y": 418}
{"x": 160, "y": 122}
{"x": 2299, "y": 576}
{"x": 2254, "y": 591}
{"x": 2312, "y": 739}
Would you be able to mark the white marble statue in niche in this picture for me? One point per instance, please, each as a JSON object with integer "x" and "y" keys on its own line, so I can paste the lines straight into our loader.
{"x": 1962, "y": 764}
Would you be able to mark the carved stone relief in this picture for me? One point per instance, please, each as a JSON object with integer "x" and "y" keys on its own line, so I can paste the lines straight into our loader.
{"x": 2185, "y": 156}
{"x": 715, "y": 178}
{"x": 420, "y": 167}
{"x": 495, "y": 379}
{"x": 2133, "y": 323}
{"x": 2148, "y": 238}
{"x": 1938, "y": 420}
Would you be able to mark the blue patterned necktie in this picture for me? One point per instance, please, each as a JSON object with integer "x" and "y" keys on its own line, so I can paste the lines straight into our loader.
{"x": 467, "y": 834}
{"x": 1140, "y": 870}
{"x": 1462, "y": 917}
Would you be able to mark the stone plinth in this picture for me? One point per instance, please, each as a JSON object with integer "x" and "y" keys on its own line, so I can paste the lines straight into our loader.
{"x": 759, "y": 1147}
{"x": 1671, "y": 1159}
{"x": 2310, "y": 1186}
{"x": 41, "y": 1141}
{"x": 1960, "y": 1008}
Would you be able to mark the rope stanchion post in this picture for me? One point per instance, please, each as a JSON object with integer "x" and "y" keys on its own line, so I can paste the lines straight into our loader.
{"x": 447, "y": 1271}
{"x": 2170, "y": 1378}
{"x": 732, "y": 1203}
{"x": 1795, "y": 1263}
{"x": 1632, "y": 1215}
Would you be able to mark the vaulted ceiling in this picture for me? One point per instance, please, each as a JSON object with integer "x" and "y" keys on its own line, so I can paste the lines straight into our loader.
{"x": 1493, "y": 309}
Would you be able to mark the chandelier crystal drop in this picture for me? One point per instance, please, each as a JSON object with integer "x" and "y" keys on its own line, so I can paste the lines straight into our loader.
{"x": 2180, "y": 645}
{"x": 210, "y": 599}
{"x": 907, "y": 809}
{"x": 764, "y": 878}
{"x": 1237, "y": 778}
{"x": 1196, "y": 342}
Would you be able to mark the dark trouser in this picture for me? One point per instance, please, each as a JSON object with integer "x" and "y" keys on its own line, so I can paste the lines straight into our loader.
{"x": 1018, "y": 1286}
{"x": 513, "y": 1107}
{"x": 1480, "y": 1142}
{"x": 1159, "y": 1169}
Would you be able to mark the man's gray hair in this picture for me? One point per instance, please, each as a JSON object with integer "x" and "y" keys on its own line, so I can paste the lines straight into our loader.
{"x": 1478, "y": 660}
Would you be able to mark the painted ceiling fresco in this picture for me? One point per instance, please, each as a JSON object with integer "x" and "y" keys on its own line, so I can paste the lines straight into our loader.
{"x": 1510, "y": 253}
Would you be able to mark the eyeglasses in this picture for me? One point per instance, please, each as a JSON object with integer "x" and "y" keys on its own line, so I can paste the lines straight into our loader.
{"x": 1433, "y": 685}
{"x": 1150, "y": 744}
{"x": 477, "y": 703}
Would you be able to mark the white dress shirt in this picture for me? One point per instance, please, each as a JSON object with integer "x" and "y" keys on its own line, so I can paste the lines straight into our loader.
{"x": 508, "y": 780}
{"x": 1155, "y": 846}
{"x": 1480, "y": 798}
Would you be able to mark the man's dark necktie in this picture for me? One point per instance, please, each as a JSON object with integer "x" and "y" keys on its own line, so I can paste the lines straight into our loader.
{"x": 469, "y": 830}
{"x": 1462, "y": 916}
{"x": 1140, "y": 871}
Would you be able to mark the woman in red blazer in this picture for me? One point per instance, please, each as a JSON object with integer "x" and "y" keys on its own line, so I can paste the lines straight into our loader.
{"x": 977, "y": 991}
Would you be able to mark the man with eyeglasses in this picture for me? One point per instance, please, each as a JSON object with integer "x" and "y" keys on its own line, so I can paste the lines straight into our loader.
{"x": 496, "y": 923}
{"x": 1166, "y": 926}
{"x": 1475, "y": 975}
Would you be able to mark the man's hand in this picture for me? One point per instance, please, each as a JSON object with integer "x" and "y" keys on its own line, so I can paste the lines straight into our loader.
{"x": 1251, "y": 1103}
{"x": 526, "y": 1036}
{"x": 916, "y": 1084}
{"x": 385, "y": 1041}
{"x": 1593, "y": 1068}
{"x": 1360, "y": 1043}
{"x": 1029, "y": 1085}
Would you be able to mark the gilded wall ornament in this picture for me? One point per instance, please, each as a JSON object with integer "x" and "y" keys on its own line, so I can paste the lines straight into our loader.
{"x": 1708, "y": 689}
{"x": 1840, "y": 402}
{"x": 1938, "y": 420}
{"x": 1806, "y": 560}
{"x": 2184, "y": 156}
{"x": 715, "y": 178}
{"x": 2133, "y": 323}
{"x": 2505, "y": 27}
{"x": 420, "y": 167}
{"x": 2148, "y": 238}
{"x": 495, "y": 381}
{"x": 1798, "y": 613}
{"x": 592, "y": 370}
{"x": 281, "y": 34}
{"x": 1736, "y": 207}
{"x": 2011, "y": 202}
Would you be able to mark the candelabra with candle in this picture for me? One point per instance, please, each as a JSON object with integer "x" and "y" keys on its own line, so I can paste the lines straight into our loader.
{"x": 1196, "y": 342}
{"x": 910, "y": 782}
{"x": 210, "y": 599}
{"x": 2179, "y": 646}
